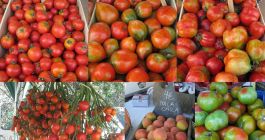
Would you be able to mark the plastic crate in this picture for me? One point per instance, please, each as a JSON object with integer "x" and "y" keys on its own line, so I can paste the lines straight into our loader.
{"x": 261, "y": 95}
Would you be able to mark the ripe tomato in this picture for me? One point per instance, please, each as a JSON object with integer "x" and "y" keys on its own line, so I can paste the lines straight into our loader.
{"x": 31, "y": 78}
{"x": 30, "y": 15}
{"x": 225, "y": 77}
{"x": 7, "y": 41}
{"x": 23, "y": 45}
{"x": 40, "y": 7}
{"x": 81, "y": 48}
{"x": 99, "y": 32}
{"x": 144, "y": 9}
{"x": 58, "y": 19}
{"x": 61, "y": 4}
{"x": 123, "y": 61}
{"x": 70, "y": 129}
{"x": 188, "y": 26}
{"x": 233, "y": 18}
{"x": 58, "y": 69}
{"x": 81, "y": 136}
{"x": 219, "y": 26}
{"x": 78, "y": 24}
{"x": 78, "y": 36}
{"x": 71, "y": 64}
{"x": 72, "y": 1}
{"x": 137, "y": 75}
{"x": 82, "y": 59}
{"x": 23, "y": 58}
{"x": 69, "y": 44}
{"x": 197, "y": 74}
{"x": 23, "y": 32}
{"x": 197, "y": 59}
{"x": 152, "y": 24}
{"x": 166, "y": 15}
{"x": 161, "y": 38}
{"x": 13, "y": 26}
{"x": 82, "y": 73}
{"x": 257, "y": 77}
{"x": 13, "y": 70}
{"x": 144, "y": 48}
{"x": 122, "y": 5}
{"x": 83, "y": 105}
{"x": 2, "y": 63}
{"x": 27, "y": 68}
{"x": 215, "y": 13}
{"x": 58, "y": 30}
{"x": 3, "y": 76}
{"x": 235, "y": 38}
{"x": 73, "y": 16}
{"x": 68, "y": 54}
{"x": 16, "y": 5}
{"x": 206, "y": 39}
{"x": 96, "y": 52}
{"x": 64, "y": 13}
{"x": 46, "y": 40}
{"x": 45, "y": 64}
{"x": 73, "y": 9}
{"x": 249, "y": 15}
{"x": 127, "y": 43}
{"x": 119, "y": 30}
{"x": 256, "y": 29}
{"x": 138, "y": 30}
{"x": 157, "y": 63}
{"x": 192, "y": 6}
{"x": 103, "y": 72}
{"x": 46, "y": 76}
{"x": 35, "y": 36}
{"x": 68, "y": 26}
{"x": 19, "y": 14}
{"x": 96, "y": 136}
{"x": 11, "y": 59}
{"x": 56, "y": 49}
{"x": 43, "y": 27}
{"x": 35, "y": 54}
{"x": 214, "y": 65}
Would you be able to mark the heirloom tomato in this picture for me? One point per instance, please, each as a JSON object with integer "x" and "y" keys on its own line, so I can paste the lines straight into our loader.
{"x": 111, "y": 45}
{"x": 96, "y": 52}
{"x": 136, "y": 75}
{"x": 214, "y": 13}
{"x": 191, "y": 6}
{"x": 106, "y": 13}
{"x": 219, "y": 26}
{"x": 144, "y": 9}
{"x": 233, "y": 18}
{"x": 255, "y": 49}
{"x": 128, "y": 15}
{"x": 161, "y": 38}
{"x": 157, "y": 63}
{"x": 138, "y": 30}
{"x": 103, "y": 72}
{"x": 152, "y": 24}
{"x": 128, "y": 43}
{"x": 249, "y": 15}
{"x": 206, "y": 39}
{"x": 99, "y": 32}
{"x": 143, "y": 49}
{"x": 256, "y": 29}
{"x": 235, "y": 38}
{"x": 119, "y": 30}
{"x": 166, "y": 15}
{"x": 216, "y": 120}
{"x": 197, "y": 74}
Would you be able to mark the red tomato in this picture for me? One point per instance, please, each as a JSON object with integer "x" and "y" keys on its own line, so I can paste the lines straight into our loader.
{"x": 256, "y": 29}
{"x": 219, "y": 26}
{"x": 191, "y": 6}
{"x": 72, "y": 1}
{"x": 157, "y": 63}
{"x": 69, "y": 77}
{"x": 13, "y": 26}
{"x": 137, "y": 75}
{"x": 35, "y": 54}
{"x": 2, "y": 63}
{"x": 215, "y": 13}
{"x": 78, "y": 36}
{"x": 166, "y": 15}
{"x": 15, "y": 5}
{"x": 71, "y": 64}
{"x": 81, "y": 48}
{"x": 225, "y": 77}
{"x": 73, "y": 9}
{"x": 11, "y": 59}
{"x": 233, "y": 18}
{"x": 78, "y": 24}
{"x": 197, "y": 74}
{"x": 35, "y": 36}
{"x": 43, "y": 27}
{"x": 3, "y": 76}
{"x": 206, "y": 39}
{"x": 58, "y": 69}
{"x": 58, "y": 30}
{"x": 46, "y": 77}
{"x": 19, "y": 14}
{"x": 122, "y": 5}
{"x": 13, "y": 70}
{"x": 82, "y": 59}
{"x": 81, "y": 136}
{"x": 23, "y": 45}
{"x": 23, "y": 32}
{"x": 82, "y": 73}
{"x": 7, "y": 41}
{"x": 31, "y": 78}
{"x": 119, "y": 30}
{"x": 61, "y": 4}
{"x": 46, "y": 40}
{"x": 257, "y": 77}
{"x": 197, "y": 59}
{"x": 27, "y": 68}
{"x": 99, "y": 32}
{"x": 68, "y": 54}
{"x": 30, "y": 15}
{"x": 249, "y": 15}
{"x": 214, "y": 65}
{"x": 45, "y": 64}
{"x": 58, "y": 19}
{"x": 23, "y": 58}
{"x": 64, "y": 13}
{"x": 56, "y": 49}
{"x": 97, "y": 135}
{"x": 103, "y": 72}
{"x": 40, "y": 7}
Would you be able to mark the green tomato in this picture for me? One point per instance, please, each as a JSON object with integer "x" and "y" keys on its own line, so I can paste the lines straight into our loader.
{"x": 257, "y": 135}
{"x": 208, "y": 136}
{"x": 247, "y": 95}
{"x": 200, "y": 118}
{"x": 208, "y": 101}
{"x": 247, "y": 123}
{"x": 216, "y": 120}
{"x": 219, "y": 87}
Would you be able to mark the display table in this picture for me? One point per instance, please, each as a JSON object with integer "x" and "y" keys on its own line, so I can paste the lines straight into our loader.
{"x": 136, "y": 115}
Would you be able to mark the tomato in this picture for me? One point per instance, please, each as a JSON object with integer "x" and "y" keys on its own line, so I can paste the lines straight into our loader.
{"x": 199, "y": 130}
{"x": 16, "y": 5}
{"x": 72, "y": 1}
{"x": 206, "y": 4}
{"x": 82, "y": 73}
{"x": 128, "y": 15}
{"x": 137, "y": 75}
{"x": 82, "y": 59}
{"x": 191, "y": 6}
{"x": 143, "y": 9}
{"x": 110, "y": 45}
{"x": 143, "y": 49}
{"x": 70, "y": 129}
{"x": 60, "y": 4}
{"x": 13, "y": 26}
{"x": 27, "y": 68}
{"x": 23, "y": 58}
{"x": 56, "y": 49}
{"x": 42, "y": 16}
{"x": 7, "y": 41}
{"x": 106, "y": 13}
{"x": 83, "y": 105}
{"x": 161, "y": 38}
{"x": 23, "y": 45}
{"x": 64, "y": 13}
{"x": 187, "y": 28}
{"x": 103, "y": 72}
{"x": 257, "y": 134}
{"x": 183, "y": 52}
{"x": 46, "y": 76}
{"x": 68, "y": 26}
{"x": 128, "y": 43}
{"x": 235, "y": 38}
{"x": 23, "y": 32}
{"x": 96, "y": 136}
{"x": 35, "y": 36}
{"x": 2, "y": 63}
{"x": 58, "y": 19}
{"x": 58, "y": 30}
{"x": 138, "y": 30}
{"x": 99, "y": 32}
{"x": 233, "y": 18}
{"x": 81, "y": 136}
{"x": 43, "y": 27}
{"x": 39, "y": 7}
{"x": 197, "y": 74}
{"x": 11, "y": 59}
{"x": 256, "y": 29}
{"x": 206, "y": 39}
{"x": 123, "y": 61}
{"x": 249, "y": 15}
{"x": 81, "y": 48}
{"x": 30, "y": 16}
{"x": 215, "y": 13}
{"x": 257, "y": 77}
{"x": 197, "y": 59}
{"x": 58, "y": 69}
{"x": 13, "y": 70}
{"x": 255, "y": 49}
{"x": 214, "y": 65}
{"x": 119, "y": 30}
{"x": 69, "y": 44}
{"x": 96, "y": 52}
{"x": 208, "y": 135}
{"x": 78, "y": 24}
{"x": 152, "y": 24}
{"x": 225, "y": 77}
{"x": 68, "y": 54}
{"x": 19, "y": 14}
{"x": 73, "y": 16}
{"x": 249, "y": 3}
{"x": 235, "y": 133}
{"x": 219, "y": 26}
{"x": 71, "y": 64}
{"x": 46, "y": 40}
{"x": 73, "y": 9}
{"x": 157, "y": 63}
{"x": 78, "y": 36}
{"x": 216, "y": 120}
{"x": 233, "y": 114}
{"x": 122, "y": 5}
{"x": 208, "y": 101}
{"x": 35, "y": 54}
{"x": 3, "y": 76}
{"x": 231, "y": 62}
{"x": 166, "y": 15}
{"x": 45, "y": 64}
{"x": 247, "y": 95}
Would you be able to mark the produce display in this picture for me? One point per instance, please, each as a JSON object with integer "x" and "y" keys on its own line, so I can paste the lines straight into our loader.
{"x": 132, "y": 41}
{"x": 217, "y": 45}
{"x": 161, "y": 128}
{"x": 3, "y": 4}
{"x": 54, "y": 114}
{"x": 229, "y": 115}
{"x": 44, "y": 42}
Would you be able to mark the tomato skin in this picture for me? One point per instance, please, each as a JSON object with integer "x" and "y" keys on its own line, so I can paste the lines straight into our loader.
{"x": 233, "y": 18}
{"x": 15, "y": 5}
{"x": 161, "y": 38}
{"x": 214, "y": 65}
{"x": 255, "y": 49}
{"x": 219, "y": 26}
{"x": 81, "y": 59}
{"x": 46, "y": 40}
{"x": 56, "y": 49}
{"x": 103, "y": 72}
{"x": 78, "y": 36}
{"x": 257, "y": 77}
{"x": 128, "y": 43}
{"x": 46, "y": 76}
{"x": 60, "y": 4}
{"x": 11, "y": 59}
{"x": 249, "y": 15}
{"x": 30, "y": 16}
{"x": 106, "y": 13}
{"x": 192, "y": 6}
{"x": 215, "y": 13}
{"x": 58, "y": 30}
{"x": 69, "y": 44}
{"x": 7, "y": 41}
{"x": 43, "y": 27}
{"x": 235, "y": 38}
{"x": 152, "y": 24}
{"x": 82, "y": 73}
{"x": 78, "y": 24}
{"x": 157, "y": 63}
{"x": 187, "y": 27}
{"x": 35, "y": 36}
{"x": 119, "y": 30}
{"x": 23, "y": 58}
{"x": 13, "y": 26}
{"x": 96, "y": 52}
{"x": 73, "y": 9}
{"x": 68, "y": 54}
{"x": 197, "y": 74}
{"x": 2, "y": 63}
{"x": 143, "y": 49}
{"x": 225, "y": 77}
{"x": 71, "y": 64}
{"x": 138, "y": 30}
{"x": 27, "y": 68}
{"x": 137, "y": 75}
{"x": 58, "y": 69}
{"x": 69, "y": 77}
{"x": 45, "y": 64}
{"x": 256, "y": 29}
{"x": 19, "y": 14}
{"x": 166, "y": 15}
{"x": 206, "y": 39}
{"x": 23, "y": 45}
{"x": 23, "y": 32}
{"x": 122, "y": 5}
{"x": 13, "y": 70}
{"x": 3, "y": 76}
{"x": 35, "y": 54}
{"x": 143, "y": 9}
{"x": 99, "y": 32}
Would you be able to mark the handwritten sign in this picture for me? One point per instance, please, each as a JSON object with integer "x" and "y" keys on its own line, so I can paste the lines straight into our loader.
{"x": 169, "y": 103}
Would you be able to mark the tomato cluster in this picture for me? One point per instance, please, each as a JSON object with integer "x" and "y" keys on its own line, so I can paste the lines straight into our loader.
{"x": 44, "y": 42}
{"x": 217, "y": 45}
{"x": 235, "y": 115}
{"x": 130, "y": 43}
{"x": 3, "y": 4}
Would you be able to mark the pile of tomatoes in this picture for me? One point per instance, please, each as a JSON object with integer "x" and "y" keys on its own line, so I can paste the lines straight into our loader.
{"x": 47, "y": 116}
{"x": 3, "y": 4}
{"x": 237, "y": 114}
{"x": 44, "y": 42}
{"x": 217, "y": 45}
{"x": 132, "y": 41}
